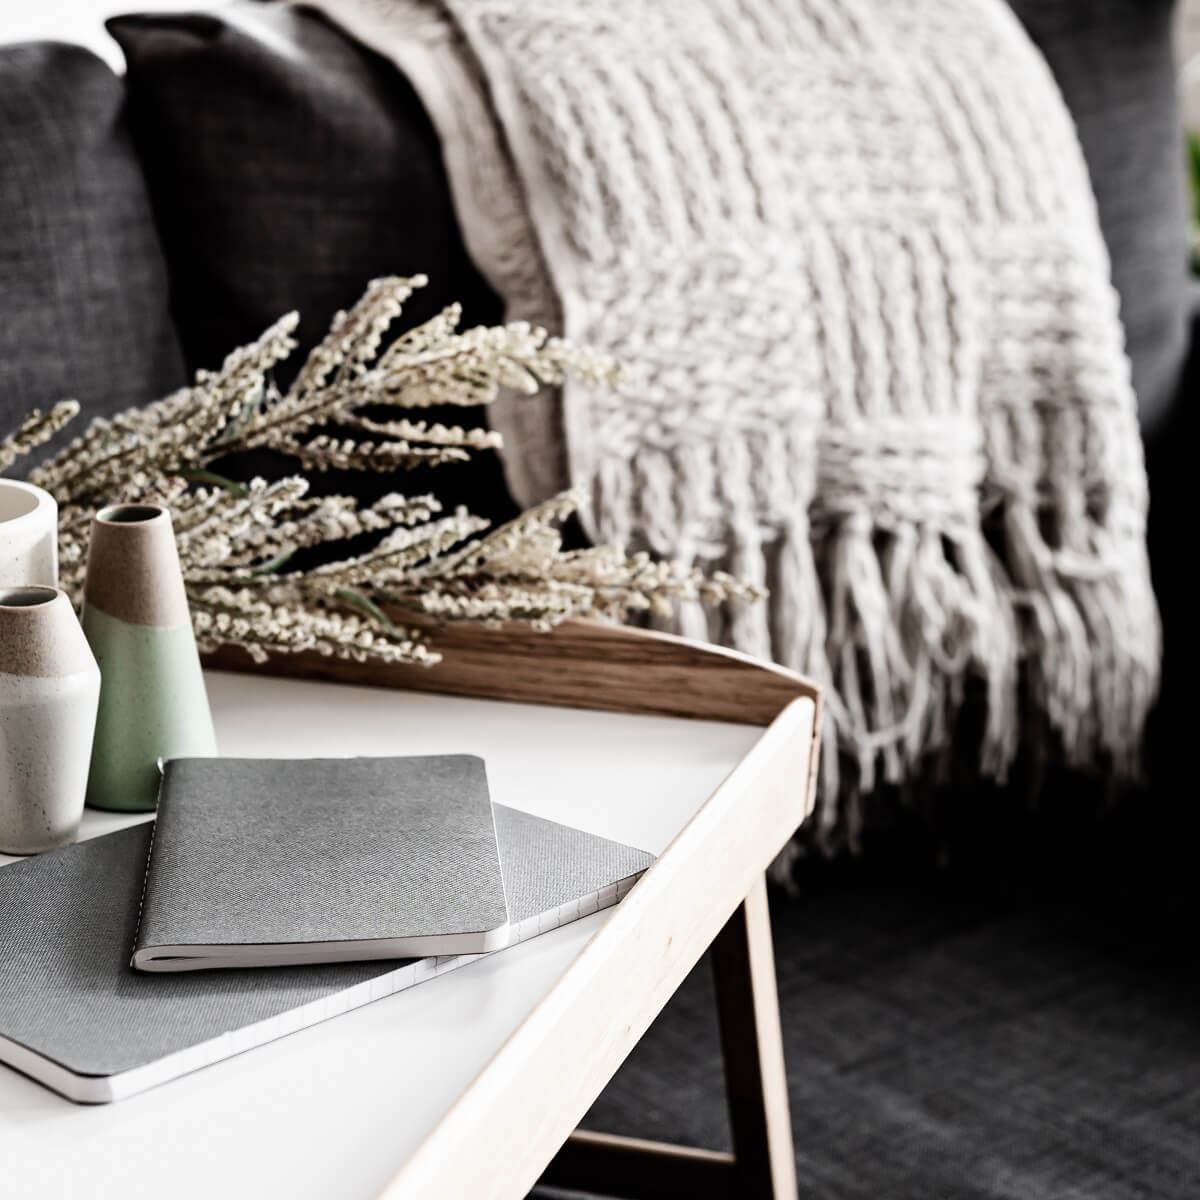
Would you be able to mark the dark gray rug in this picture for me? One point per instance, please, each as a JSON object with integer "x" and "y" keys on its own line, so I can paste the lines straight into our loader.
{"x": 1018, "y": 1024}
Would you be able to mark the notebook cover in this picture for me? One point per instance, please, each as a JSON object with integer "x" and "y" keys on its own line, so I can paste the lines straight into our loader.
{"x": 75, "y": 1015}
{"x": 258, "y": 862}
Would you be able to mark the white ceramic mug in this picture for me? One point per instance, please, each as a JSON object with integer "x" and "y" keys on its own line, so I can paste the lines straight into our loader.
{"x": 28, "y": 536}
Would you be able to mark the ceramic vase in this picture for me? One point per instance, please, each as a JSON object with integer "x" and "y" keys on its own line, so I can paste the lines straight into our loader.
{"x": 28, "y": 535}
{"x": 152, "y": 699}
{"x": 49, "y": 689}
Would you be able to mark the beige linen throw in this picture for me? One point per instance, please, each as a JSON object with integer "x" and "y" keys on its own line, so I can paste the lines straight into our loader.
{"x": 850, "y": 252}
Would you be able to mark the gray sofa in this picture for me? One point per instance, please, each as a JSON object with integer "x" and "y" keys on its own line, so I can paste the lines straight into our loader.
{"x": 976, "y": 1007}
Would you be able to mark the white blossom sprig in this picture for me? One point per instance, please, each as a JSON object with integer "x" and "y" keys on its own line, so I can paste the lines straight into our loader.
{"x": 35, "y": 430}
{"x": 243, "y": 546}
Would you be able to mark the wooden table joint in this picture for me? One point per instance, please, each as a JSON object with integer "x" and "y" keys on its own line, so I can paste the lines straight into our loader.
{"x": 763, "y": 1163}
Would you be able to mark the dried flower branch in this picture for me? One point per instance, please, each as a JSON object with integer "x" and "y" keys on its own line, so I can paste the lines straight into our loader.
{"x": 237, "y": 542}
{"x": 36, "y": 429}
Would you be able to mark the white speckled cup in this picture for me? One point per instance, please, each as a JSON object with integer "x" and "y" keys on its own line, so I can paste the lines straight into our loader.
{"x": 28, "y": 535}
{"x": 49, "y": 692}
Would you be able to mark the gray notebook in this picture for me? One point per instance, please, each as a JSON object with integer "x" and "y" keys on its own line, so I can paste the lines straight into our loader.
{"x": 265, "y": 862}
{"x": 75, "y": 1016}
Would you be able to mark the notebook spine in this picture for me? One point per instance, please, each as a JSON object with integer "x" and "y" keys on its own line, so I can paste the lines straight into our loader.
{"x": 137, "y": 928}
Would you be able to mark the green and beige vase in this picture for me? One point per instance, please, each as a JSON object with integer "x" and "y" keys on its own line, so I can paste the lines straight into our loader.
{"x": 152, "y": 699}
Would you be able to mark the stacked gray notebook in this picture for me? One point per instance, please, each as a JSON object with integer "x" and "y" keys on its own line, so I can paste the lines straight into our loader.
{"x": 261, "y": 862}
{"x": 76, "y": 1015}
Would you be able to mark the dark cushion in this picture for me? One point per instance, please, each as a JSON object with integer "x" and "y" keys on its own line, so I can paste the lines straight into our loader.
{"x": 83, "y": 289}
{"x": 288, "y": 166}
{"x": 1115, "y": 65}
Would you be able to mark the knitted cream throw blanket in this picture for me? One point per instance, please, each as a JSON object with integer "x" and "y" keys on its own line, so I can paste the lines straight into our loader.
{"x": 850, "y": 250}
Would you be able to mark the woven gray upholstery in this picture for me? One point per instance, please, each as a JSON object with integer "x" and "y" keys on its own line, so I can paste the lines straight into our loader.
{"x": 83, "y": 289}
{"x": 1114, "y": 61}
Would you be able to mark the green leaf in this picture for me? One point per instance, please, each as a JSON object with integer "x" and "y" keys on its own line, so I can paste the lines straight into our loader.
{"x": 363, "y": 603}
{"x": 194, "y": 475}
{"x": 1193, "y": 145}
{"x": 269, "y": 568}
{"x": 241, "y": 422}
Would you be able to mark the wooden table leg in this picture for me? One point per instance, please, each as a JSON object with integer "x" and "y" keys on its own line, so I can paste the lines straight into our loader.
{"x": 743, "y": 960}
{"x": 763, "y": 1165}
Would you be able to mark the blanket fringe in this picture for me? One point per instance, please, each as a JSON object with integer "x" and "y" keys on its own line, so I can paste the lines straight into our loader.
{"x": 895, "y": 620}
{"x": 1092, "y": 640}
{"x": 902, "y": 404}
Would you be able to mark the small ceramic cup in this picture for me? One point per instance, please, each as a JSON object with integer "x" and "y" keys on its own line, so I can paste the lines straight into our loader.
{"x": 28, "y": 535}
{"x": 49, "y": 691}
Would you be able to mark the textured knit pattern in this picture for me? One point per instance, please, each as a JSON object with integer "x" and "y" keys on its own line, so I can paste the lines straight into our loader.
{"x": 852, "y": 255}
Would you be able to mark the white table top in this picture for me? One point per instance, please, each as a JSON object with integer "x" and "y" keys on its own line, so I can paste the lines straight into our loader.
{"x": 335, "y": 1109}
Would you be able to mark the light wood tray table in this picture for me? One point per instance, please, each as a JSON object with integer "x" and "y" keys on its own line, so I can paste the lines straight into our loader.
{"x": 472, "y": 1084}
